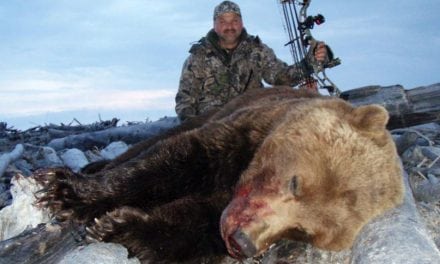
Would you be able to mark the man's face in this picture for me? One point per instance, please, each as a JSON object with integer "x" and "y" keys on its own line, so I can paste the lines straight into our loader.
{"x": 228, "y": 27}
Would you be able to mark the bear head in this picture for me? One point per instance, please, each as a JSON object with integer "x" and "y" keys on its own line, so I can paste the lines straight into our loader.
{"x": 322, "y": 173}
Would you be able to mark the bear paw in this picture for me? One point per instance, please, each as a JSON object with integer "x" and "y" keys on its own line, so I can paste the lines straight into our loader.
{"x": 116, "y": 224}
{"x": 57, "y": 194}
{"x": 123, "y": 225}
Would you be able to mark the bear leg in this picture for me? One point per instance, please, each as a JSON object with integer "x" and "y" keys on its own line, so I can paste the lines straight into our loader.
{"x": 187, "y": 228}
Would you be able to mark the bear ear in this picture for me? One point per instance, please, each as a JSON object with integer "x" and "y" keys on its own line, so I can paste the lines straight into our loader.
{"x": 370, "y": 117}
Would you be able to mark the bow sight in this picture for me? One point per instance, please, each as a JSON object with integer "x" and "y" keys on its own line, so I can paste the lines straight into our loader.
{"x": 310, "y": 21}
{"x": 298, "y": 26}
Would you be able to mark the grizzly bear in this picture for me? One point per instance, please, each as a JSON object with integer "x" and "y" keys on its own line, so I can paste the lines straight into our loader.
{"x": 272, "y": 164}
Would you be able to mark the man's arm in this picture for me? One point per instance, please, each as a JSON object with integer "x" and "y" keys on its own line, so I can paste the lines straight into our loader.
{"x": 186, "y": 97}
{"x": 277, "y": 72}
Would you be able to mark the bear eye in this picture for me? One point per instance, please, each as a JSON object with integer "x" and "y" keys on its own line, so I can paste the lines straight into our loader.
{"x": 293, "y": 185}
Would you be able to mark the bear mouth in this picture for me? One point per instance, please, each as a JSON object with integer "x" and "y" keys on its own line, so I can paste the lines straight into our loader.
{"x": 240, "y": 246}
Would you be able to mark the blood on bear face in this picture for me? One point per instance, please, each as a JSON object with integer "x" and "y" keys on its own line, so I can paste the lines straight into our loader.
{"x": 258, "y": 215}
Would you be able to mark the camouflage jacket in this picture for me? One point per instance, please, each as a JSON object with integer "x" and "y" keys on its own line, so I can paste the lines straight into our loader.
{"x": 211, "y": 76}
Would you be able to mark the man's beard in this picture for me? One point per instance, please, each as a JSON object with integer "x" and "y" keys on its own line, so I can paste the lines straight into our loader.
{"x": 230, "y": 36}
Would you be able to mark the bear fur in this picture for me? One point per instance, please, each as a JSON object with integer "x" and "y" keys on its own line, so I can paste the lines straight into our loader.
{"x": 272, "y": 164}
{"x": 319, "y": 176}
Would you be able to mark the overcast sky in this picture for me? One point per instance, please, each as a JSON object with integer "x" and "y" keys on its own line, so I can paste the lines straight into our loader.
{"x": 63, "y": 59}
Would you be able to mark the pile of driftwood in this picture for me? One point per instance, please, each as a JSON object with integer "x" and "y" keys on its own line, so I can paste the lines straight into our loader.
{"x": 407, "y": 234}
{"x": 41, "y": 135}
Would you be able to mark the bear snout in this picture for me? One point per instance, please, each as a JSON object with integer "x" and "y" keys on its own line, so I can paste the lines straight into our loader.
{"x": 240, "y": 245}
{"x": 241, "y": 225}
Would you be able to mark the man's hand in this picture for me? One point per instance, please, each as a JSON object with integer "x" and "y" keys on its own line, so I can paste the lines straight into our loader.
{"x": 321, "y": 52}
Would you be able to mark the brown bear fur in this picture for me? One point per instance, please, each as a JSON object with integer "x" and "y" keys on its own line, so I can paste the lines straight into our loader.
{"x": 320, "y": 176}
{"x": 164, "y": 199}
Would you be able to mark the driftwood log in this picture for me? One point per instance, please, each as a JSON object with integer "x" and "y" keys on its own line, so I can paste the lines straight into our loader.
{"x": 406, "y": 107}
{"x": 10, "y": 157}
{"x": 128, "y": 134}
{"x": 44, "y": 244}
{"x": 398, "y": 236}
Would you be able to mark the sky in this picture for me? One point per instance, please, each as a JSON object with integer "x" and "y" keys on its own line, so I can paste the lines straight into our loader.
{"x": 62, "y": 60}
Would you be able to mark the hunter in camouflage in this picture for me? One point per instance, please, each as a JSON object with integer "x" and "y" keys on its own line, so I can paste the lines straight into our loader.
{"x": 227, "y": 62}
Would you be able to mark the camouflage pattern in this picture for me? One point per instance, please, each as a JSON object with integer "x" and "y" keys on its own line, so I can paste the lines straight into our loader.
{"x": 226, "y": 7}
{"x": 212, "y": 76}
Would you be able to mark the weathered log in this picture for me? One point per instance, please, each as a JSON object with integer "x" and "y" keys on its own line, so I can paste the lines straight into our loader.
{"x": 99, "y": 253}
{"x": 59, "y": 244}
{"x": 405, "y": 141}
{"x": 128, "y": 134}
{"x": 12, "y": 156}
{"x": 21, "y": 214}
{"x": 44, "y": 244}
{"x": 428, "y": 191}
{"x": 398, "y": 236}
{"x": 406, "y": 107}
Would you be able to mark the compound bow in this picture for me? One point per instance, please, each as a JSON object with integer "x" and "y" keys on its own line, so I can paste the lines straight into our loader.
{"x": 302, "y": 44}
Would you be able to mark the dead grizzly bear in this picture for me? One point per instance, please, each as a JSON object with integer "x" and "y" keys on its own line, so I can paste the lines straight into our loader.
{"x": 272, "y": 164}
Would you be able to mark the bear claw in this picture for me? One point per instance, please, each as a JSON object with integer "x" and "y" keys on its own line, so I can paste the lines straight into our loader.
{"x": 92, "y": 236}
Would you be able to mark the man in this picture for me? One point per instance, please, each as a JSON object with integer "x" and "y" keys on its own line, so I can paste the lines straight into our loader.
{"x": 229, "y": 61}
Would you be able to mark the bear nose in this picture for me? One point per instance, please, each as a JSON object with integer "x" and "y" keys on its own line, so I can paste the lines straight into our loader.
{"x": 241, "y": 245}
